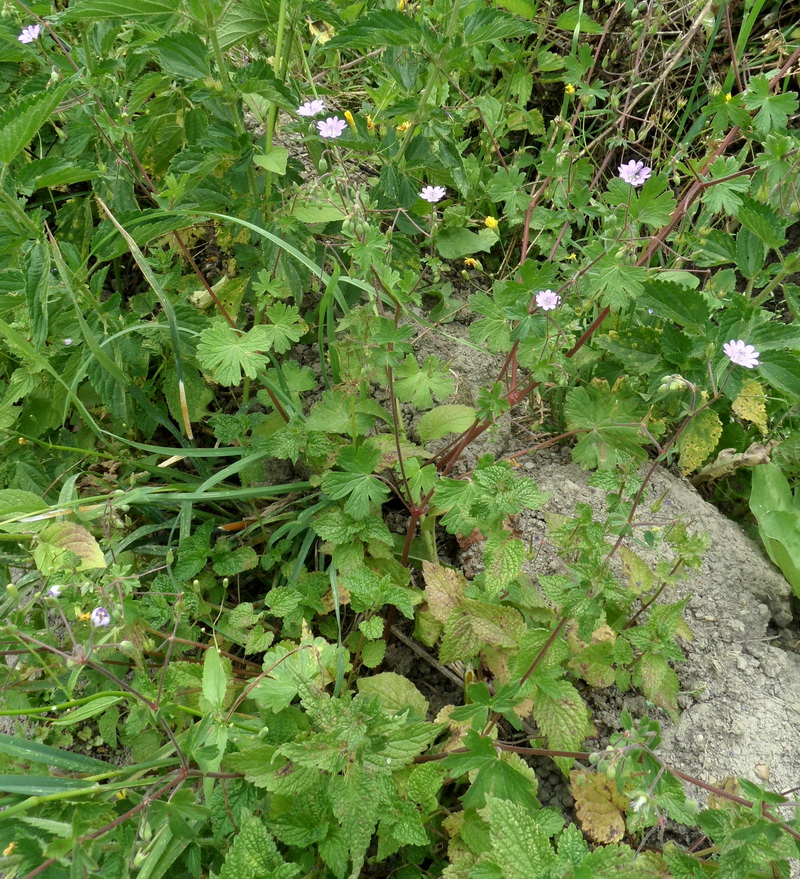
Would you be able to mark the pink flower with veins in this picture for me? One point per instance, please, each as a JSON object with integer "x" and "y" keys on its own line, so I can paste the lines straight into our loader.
{"x": 547, "y": 300}
{"x": 30, "y": 34}
{"x": 635, "y": 173}
{"x": 741, "y": 353}
{"x": 333, "y": 126}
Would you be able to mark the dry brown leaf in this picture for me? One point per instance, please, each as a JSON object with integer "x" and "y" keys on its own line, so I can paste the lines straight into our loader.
{"x": 599, "y": 805}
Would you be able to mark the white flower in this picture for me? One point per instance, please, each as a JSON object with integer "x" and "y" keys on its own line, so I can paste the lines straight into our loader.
{"x": 30, "y": 33}
{"x": 635, "y": 173}
{"x": 741, "y": 353}
{"x": 547, "y": 300}
{"x": 433, "y": 193}
{"x": 333, "y": 126}
{"x": 55, "y": 591}
{"x": 67, "y": 342}
{"x": 311, "y": 108}
{"x": 640, "y": 801}
{"x": 100, "y": 617}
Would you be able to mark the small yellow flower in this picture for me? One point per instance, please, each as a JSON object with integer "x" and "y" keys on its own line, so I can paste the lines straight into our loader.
{"x": 350, "y": 121}
{"x": 401, "y": 5}
{"x": 370, "y": 123}
{"x": 9, "y": 849}
{"x": 728, "y": 97}
{"x": 472, "y": 263}
{"x": 569, "y": 88}
{"x": 403, "y": 126}
{"x": 22, "y": 441}
{"x": 571, "y": 256}
{"x": 491, "y": 223}
{"x": 83, "y": 617}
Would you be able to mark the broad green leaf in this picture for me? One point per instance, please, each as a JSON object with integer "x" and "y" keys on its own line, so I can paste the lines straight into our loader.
{"x": 98, "y": 9}
{"x": 395, "y": 693}
{"x": 26, "y": 751}
{"x": 459, "y": 242}
{"x": 15, "y": 504}
{"x": 84, "y": 712}
{"x": 416, "y": 385}
{"x": 523, "y": 8}
{"x": 618, "y": 284}
{"x": 57, "y": 539}
{"x": 774, "y": 110}
{"x": 658, "y": 680}
{"x": 780, "y": 532}
{"x": 311, "y": 213}
{"x": 763, "y": 221}
{"x": 246, "y": 20}
{"x": 450, "y": 418}
{"x": 725, "y": 196}
{"x": 782, "y": 370}
{"x": 385, "y": 28}
{"x": 699, "y": 440}
{"x": 19, "y": 123}
{"x": 254, "y": 855}
{"x": 444, "y": 589}
{"x": 491, "y": 25}
{"x": 563, "y": 717}
{"x": 215, "y": 679}
{"x": 227, "y": 354}
{"x": 183, "y": 55}
{"x": 503, "y": 556}
{"x": 273, "y": 160}
{"x": 573, "y": 18}
{"x": 676, "y": 303}
{"x": 520, "y": 846}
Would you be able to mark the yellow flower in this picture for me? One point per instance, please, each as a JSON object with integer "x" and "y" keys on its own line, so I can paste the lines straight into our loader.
{"x": 491, "y": 223}
{"x": 403, "y": 126}
{"x": 401, "y": 5}
{"x": 9, "y": 849}
{"x": 84, "y": 616}
{"x": 569, "y": 88}
{"x": 571, "y": 256}
{"x": 729, "y": 97}
{"x": 370, "y": 123}
{"x": 350, "y": 121}
{"x": 472, "y": 263}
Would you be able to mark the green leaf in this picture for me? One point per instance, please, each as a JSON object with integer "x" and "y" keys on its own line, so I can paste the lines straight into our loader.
{"x": 15, "y": 504}
{"x": 99, "y": 9}
{"x": 274, "y": 160}
{"x": 254, "y": 855}
{"x": 450, "y": 418}
{"x": 491, "y": 25}
{"x": 44, "y": 785}
{"x": 519, "y": 845}
{"x": 184, "y": 56}
{"x": 611, "y": 422}
{"x": 357, "y": 484}
{"x": 475, "y": 625}
{"x": 226, "y": 354}
{"x": 654, "y": 204}
{"x": 59, "y": 538}
{"x": 763, "y": 221}
{"x": 778, "y": 517}
{"x": 523, "y": 8}
{"x": 26, "y": 751}
{"x": 725, "y": 196}
{"x": 285, "y": 327}
{"x": 215, "y": 679}
{"x": 385, "y": 28}
{"x": 395, "y": 693}
{"x": 84, "y": 712}
{"x": 676, "y": 303}
{"x": 246, "y": 20}
{"x": 618, "y": 284}
{"x": 416, "y": 385}
{"x": 562, "y": 716}
{"x": 782, "y": 370}
{"x": 458, "y": 242}
{"x": 699, "y": 440}
{"x": 574, "y": 18}
{"x": 503, "y": 556}
{"x": 19, "y": 124}
{"x": 774, "y": 110}
{"x": 659, "y": 681}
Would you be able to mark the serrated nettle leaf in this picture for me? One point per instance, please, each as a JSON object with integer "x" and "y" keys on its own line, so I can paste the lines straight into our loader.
{"x": 503, "y": 556}
{"x": 444, "y": 589}
{"x": 20, "y": 122}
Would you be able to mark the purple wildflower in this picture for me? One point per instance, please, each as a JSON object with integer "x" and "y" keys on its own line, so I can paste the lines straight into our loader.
{"x": 635, "y": 173}
{"x": 333, "y": 126}
{"x": 100, "y": 617}
{"x": 741, "y": 353}
{"x": 433, "y": 193}
{"x": 547, "y": 300}
{"x": 311, "y": 108}
{"x": 30, "y": 33}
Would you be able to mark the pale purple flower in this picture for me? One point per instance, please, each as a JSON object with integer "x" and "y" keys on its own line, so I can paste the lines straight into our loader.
{"x": 67, "y": 342}
{"x": 433, "y": 193}
{"x": 30, "y": 33}
{"x": 741, "y": 353}
{"x": 311, "y": 108}
{"x": 55, "y": 591}
{"x": 635, "y": 173}
{"x": 333, "y": 126}
{"x": 100, "y": 617}
{"x": 547, "y": 300}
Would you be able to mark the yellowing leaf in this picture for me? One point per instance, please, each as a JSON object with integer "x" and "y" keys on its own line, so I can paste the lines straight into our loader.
{"x": 599, "y": 805}
{"x": 60, "y": 539}
{"x": 699, "y": 440}
{"x": 444, "y": 589}
{"x": 637, "y": 572}
{"x": 751, "y": 405}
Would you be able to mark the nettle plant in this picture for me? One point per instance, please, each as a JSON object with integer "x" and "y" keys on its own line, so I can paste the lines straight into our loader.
{"x": 231, "y": 681}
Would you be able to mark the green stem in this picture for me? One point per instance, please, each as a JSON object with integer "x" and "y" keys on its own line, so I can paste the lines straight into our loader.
{"x": 789, "y": 267}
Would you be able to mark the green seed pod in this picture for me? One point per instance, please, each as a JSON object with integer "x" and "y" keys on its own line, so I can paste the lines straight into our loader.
{"x": 347, "y": 225}
{"x": 634, "y": 14}
{"x": 322, "y": 166}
